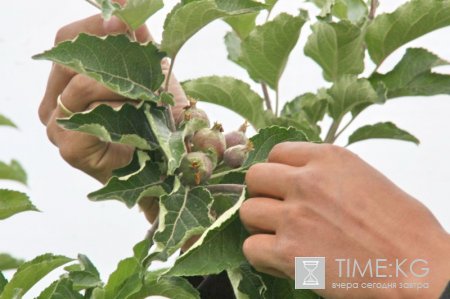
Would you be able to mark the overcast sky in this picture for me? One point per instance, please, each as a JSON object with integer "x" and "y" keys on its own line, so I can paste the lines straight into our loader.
{"x": 71, "y": 224}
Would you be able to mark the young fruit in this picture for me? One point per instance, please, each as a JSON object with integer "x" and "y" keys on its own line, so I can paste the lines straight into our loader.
{"x": 191, "y": 112}
{"x": 235, "y": 156}
{"x": 237, "y": 137}
{"x": 210, "y": 140}
{"x": 196, "y": 168}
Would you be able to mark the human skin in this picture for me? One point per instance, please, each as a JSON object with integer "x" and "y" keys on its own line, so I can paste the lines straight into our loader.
{"x": 80, "y": 93}
{"x": 313, "y": 200}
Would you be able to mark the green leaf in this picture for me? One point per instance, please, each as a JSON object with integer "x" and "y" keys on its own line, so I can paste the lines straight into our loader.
{"x": 311, "y": 131}
{"x": 415, "y": 18}
{"x": 140, "y": 250}
{"x": 136, "y": 164}
{"x": 13, "y": 202}
{"x": 3, "y": 282}
{"x": 6, "y": 122}
{"x": 223, "y": 202}
{"x": 170, "y": 287}
{"x": 31, "y": 272}
{"x": 186, "y": 20}
{"x": 266, "y": 139}
{"x": 230, "y": 93}
{"x": 349, "y": 93}
{"x": 60, "y": 289}
{"x": 13, "y": 171}
{"x": 352, "y": 10}
{"x": 183, "y": 214}
{"x": 7, "y": 262}
{"x": 266, "y": 50}
{"x": 218, "y": 249}
{"x": 247, "y": 283}
{"x": 126, "y": 125}
{"x": 306, "y": 106}
{"x": 385, "y": 130}
{"x": 84, "y": 275}
{"x": 125, "y": 280}
{"x": 171, "y": 143}
{"x": 337, "y": 48}
{"x": 413, "y": 76}
{"x": 136, "y": 12}
{"x": 129, "y": 190}
{"x": 242, "y": 24}
{"x": 136, "y": 72}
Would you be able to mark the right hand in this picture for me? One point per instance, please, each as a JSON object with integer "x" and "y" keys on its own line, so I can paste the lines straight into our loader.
{"x": 79, "y": 93}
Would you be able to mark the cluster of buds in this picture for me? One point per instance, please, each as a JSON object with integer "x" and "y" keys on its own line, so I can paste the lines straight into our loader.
{"x": 208, "y": 147}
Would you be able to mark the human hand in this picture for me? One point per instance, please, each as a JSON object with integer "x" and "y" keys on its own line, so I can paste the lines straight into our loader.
{"x": 314, "y": 200}
{"x": 80, "y": 93}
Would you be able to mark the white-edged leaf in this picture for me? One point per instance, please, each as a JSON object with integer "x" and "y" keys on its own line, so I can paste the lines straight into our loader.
{"x": 413, "y": 19}
{"x": 171, "y": 143}
{"x": 231, "y": 93}
{"x": 337, "y": 48}
{"x": 386, "y": 130}
{"x": 267, "y": 138}
{"x": 29, "y": 273}
{"x": 127, "y": 68}
{"x": 126, "y": 125}
{"x": 218, "y": 249}
{"x": 129, "y": 190}
{"x": 136, "y": 12}
{"x": 14, "y": 202}
{"x": 183, "y": 214}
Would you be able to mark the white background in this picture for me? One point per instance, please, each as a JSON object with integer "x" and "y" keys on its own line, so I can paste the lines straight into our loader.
{"x": 71, "y": 224}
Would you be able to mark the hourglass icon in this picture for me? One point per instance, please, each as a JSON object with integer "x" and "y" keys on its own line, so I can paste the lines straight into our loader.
{"x": 310, "y": 279}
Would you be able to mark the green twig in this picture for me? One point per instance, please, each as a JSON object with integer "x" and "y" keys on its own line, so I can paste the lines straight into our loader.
{"x": 277, "y": 102}
{"x": 151, "y": 232}
{"x": 344, "y": 128}
{"x": 373, "y": 9}
{"x": 330, "y": 138}
{"x": 169, "y": 74}
{"x": 224, "y": 173}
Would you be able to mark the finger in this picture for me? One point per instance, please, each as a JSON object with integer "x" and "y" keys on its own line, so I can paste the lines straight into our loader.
{"x": 293, "y": 153}
{"x": 82, "y": 91}
{"x": 259, "y": 250}
{"x": 261, "y": 214}
{"x": 269, "y": 179}
{"x": 175, "y": 89}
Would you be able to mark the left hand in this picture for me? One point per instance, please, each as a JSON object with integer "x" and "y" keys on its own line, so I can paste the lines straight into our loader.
{"x": 314, "y": 200}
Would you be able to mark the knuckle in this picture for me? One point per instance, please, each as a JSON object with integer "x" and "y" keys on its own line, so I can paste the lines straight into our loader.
{"x": 62, "y": 34}
{"x": 78, "y": 88}
{"x": 248, "y": 248}
{"x": 252, "y": 172}
{"x": 331, "y": 150}
{"x": 68, "y": 153}
{"x": 245, "y": 210}
{"x": 44, "y": 114}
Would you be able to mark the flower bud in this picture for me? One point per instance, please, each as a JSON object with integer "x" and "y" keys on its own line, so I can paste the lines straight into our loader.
{"x": 210, "y": 140}
{"x": 191, "y": 112}
{"x": 236, "y": 155}
{"x": 237, "y": 137}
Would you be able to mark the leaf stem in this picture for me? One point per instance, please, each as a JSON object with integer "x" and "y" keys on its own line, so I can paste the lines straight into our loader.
{"x": 266, "y": 96}
{"x": 169, "y": 74}
{"x": 373, "y": 9}
{"x": 344, "y": 128}
{"x": 277, "y": 102}
{"x": 225, "y": 188}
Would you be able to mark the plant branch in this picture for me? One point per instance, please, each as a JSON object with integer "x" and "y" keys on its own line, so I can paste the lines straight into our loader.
{"x": 373, "y": 9}
{"x": 330, "y": 138}
{"x": 225, "y": 188}
{"x": 266, "y": 96}
{"x": 223, "y": 173}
